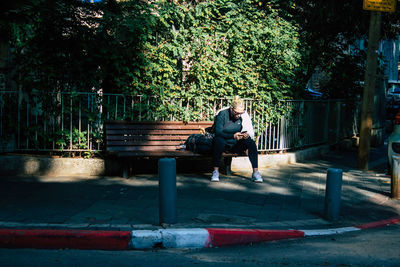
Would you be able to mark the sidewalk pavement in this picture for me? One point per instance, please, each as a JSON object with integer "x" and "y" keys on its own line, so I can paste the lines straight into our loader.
{"x": 291, "y": 197}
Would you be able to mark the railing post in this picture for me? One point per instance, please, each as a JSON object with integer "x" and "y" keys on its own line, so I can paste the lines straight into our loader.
{"x": 326, "y": 130}
{"x": 339, "y": 119}
{"x": 282, "y": 130}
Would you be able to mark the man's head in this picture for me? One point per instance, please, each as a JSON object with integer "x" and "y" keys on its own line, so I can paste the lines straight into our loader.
{"x": 237, "y": 107}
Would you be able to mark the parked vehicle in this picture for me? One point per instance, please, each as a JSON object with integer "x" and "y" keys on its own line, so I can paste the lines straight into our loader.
{"x": 394, "y": 142}
{"x": 393, "y": 95}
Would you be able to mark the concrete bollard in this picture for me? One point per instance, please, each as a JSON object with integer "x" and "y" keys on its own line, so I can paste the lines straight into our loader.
{"x": 395, "y": 183}
{"x": 333, "y": 194}
{"x": 167, "y": 190}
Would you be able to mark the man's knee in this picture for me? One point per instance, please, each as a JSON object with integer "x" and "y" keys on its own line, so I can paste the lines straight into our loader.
{"x": 250, "y": 143}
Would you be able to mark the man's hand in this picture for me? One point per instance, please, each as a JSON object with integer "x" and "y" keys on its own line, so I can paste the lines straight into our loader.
{"x": 237, "y": 136}
{"x": 245, "y": 135}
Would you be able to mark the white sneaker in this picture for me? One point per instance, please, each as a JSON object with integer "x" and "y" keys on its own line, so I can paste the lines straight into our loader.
{"x": 256, "y": 177}
{"x": 215, "y": 176}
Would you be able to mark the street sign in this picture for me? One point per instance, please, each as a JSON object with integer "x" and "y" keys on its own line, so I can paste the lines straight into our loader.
{"x": 380, "y": 5}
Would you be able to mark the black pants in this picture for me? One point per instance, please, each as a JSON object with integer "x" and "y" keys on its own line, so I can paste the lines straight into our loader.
{"x": 220, "y": 145}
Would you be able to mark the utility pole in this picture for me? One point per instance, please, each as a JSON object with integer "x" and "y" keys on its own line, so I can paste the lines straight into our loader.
{"x": 367, "y": 107}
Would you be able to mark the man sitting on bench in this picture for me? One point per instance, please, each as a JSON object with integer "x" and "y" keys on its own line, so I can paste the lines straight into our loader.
{"x": 234, "y": 133}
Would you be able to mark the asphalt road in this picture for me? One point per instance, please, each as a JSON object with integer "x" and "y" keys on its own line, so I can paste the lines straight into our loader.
{"x": 374, "y": 247}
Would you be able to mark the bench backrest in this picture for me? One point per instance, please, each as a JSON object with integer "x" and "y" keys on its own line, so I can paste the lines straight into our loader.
{"x": 149, "y": 136}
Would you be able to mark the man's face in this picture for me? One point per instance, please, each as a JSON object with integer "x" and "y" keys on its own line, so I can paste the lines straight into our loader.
{"x": 236, "y": 114}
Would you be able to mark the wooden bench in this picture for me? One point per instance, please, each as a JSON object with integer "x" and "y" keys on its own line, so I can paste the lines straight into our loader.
{"x": 130, "y": 140}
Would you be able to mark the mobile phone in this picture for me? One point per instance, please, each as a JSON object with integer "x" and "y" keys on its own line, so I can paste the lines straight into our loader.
{"x": 244, "y": 132}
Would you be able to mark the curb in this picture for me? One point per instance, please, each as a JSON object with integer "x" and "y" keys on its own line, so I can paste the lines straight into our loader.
{"x": 58, "y": 239}
{"x": 39, "y": 165}
{"x": 161, "y": 238}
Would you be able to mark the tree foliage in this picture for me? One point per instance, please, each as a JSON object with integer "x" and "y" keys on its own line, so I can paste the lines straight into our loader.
{"x": 330, "y": 32}
{"x": 165, "y": 48}
{"x": 265, "y": 50}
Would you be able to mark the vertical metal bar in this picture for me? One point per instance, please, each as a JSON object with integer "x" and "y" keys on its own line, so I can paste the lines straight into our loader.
{"x": 108, "y": 107}
{"x": 70, "y": 123}
{"x": 53, "y": 129}
{"x": 98, "y": 123}
{"x": 281, "y": 135}
{"x": 214, "y": 107}
{"x": 263, "y": 133}
{"x": 27, "y": 122}
{"x": 180, "y": 105}
{"x": 19, "y": 118}
{"x": 172, "y": 104}
{"x": 124, "y": 115}
{"x": 140, "y": 108}
{"x": 44, "y": 129}
{"x": 308, "y": 109}
{"x": 132, "y": 105}
{"x": 62, "y": 112}
{"x": 274, "y": 143}
{"x": 88, "y": 122}
{"x": 79, "y": 121}
{"x": 101, "y": 101}
{"x": 251, "y": 107}
{"x": 148, "y": 106}
{"x": 36, "y": 128}
{"x": 1, "y": 114}
{"x": 270, "y": 145}
{"x": 201, "y": 109}
{"x": 286, "y": 127}
{"x": 92, "y": 125}
{"x": 116, "y": 107}
{"x": 338, "y": 120}
{"x": 266, "y": 130}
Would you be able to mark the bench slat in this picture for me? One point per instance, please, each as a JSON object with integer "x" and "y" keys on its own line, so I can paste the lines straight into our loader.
{"x": 170, "y": 153}
{"x": 157, "y": 126}
{"x": 142, "y": 148}
{"x": 147, "y": 143}
{"x": 152, "y": 132}
{"x": 146, "y": 137}
{"x": 115, "y": 122}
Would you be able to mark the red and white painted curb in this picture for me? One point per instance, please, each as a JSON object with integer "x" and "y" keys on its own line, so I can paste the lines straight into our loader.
{"x": 58, "y": 239}
{"x": 206, "y": 237}
{"x": 165, "y": 238}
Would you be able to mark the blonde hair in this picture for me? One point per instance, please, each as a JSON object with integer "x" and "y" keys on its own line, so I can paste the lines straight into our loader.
{"x": 238, "y": 104}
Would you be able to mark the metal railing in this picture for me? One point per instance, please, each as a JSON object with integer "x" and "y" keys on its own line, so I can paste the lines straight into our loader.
{"x": 66, "y": 121}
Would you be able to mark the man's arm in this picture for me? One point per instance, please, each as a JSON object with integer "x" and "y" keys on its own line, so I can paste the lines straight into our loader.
{"x": 220, "y": 121}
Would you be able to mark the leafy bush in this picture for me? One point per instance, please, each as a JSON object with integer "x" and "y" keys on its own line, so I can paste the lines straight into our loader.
{"x": 167, "y": 49}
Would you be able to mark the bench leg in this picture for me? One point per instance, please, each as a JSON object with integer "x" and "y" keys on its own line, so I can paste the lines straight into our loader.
{"x": 227, "y": 163}
{"x": 125, "y": 171}
{"x": 126, "y": 168}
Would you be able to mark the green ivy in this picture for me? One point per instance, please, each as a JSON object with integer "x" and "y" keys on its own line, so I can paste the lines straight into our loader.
{"x": 168, "y": 49}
